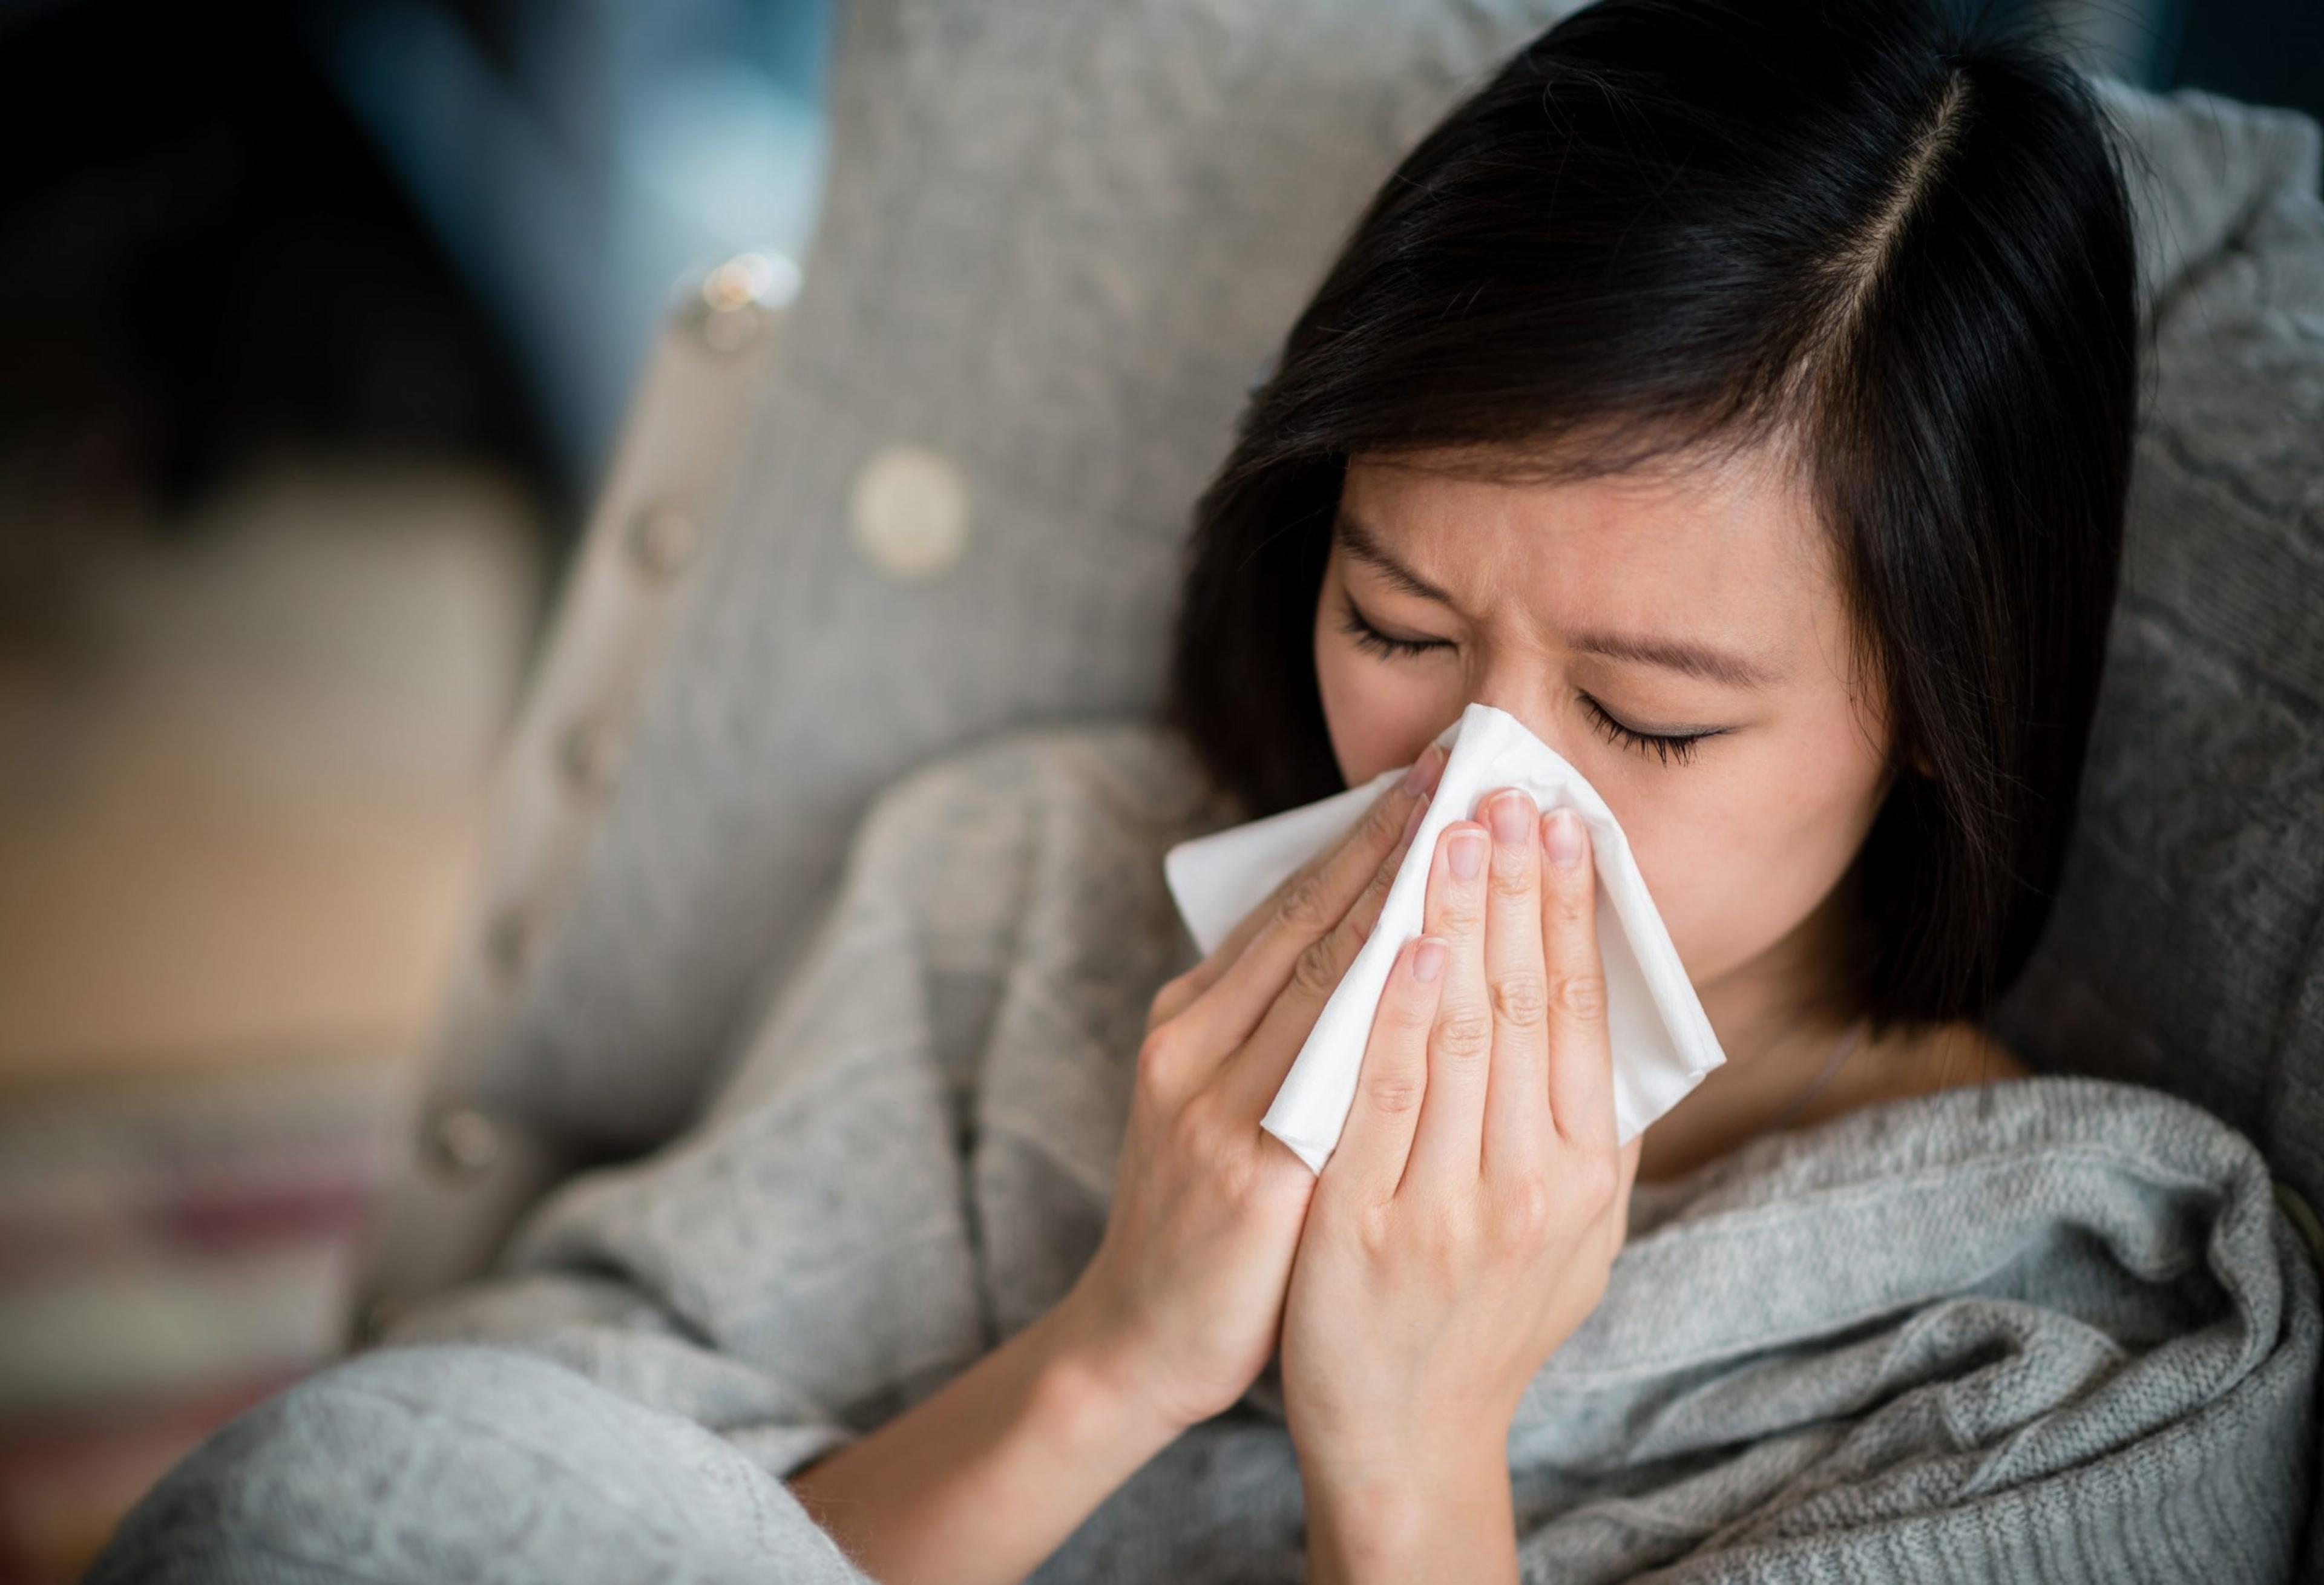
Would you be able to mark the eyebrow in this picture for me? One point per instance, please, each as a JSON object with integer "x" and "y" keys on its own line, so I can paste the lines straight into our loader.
{"x": 1365, "y": 546}
{"x": 1693, "y": 659}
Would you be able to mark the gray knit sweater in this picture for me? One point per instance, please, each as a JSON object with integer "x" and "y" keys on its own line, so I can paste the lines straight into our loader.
{"x": 2052, "y": 1329}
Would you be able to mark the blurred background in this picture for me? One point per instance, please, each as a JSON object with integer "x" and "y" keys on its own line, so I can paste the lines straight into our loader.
{"x": 317, "y": 326}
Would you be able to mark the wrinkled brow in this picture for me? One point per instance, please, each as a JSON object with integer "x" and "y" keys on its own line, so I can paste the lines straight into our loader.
{"x": 1702, "y": 661}
{"x": 1366, "y": 547}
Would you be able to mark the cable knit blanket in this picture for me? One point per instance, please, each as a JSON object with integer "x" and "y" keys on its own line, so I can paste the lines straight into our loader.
{"x": 2054, "y": 1329}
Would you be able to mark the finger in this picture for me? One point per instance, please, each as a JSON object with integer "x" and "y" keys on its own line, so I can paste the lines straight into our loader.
{"x": 1304, "y": 896}
{"x": 1256, "y": 1073}
{"x": 1419, "y": 781}
{"x": 1517, "y": 1128}
{"x": 1355, "y": 851}
{"x": 1376, "y": 1140}
{"x": 1287, "y": 944}
{"x": 1446, "y": 1147}
{"x": 1580, "y": 1063}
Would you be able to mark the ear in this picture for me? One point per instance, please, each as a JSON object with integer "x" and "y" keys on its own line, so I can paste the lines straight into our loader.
{"x": 1909, "y": 756}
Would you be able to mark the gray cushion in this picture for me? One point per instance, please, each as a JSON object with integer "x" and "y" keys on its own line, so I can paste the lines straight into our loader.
{"x": 1057, "y": 244}
{"x": 2187, "y": 951}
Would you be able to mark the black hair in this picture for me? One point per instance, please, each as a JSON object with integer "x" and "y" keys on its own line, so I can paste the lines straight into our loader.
{"x": 1893, "y": 239}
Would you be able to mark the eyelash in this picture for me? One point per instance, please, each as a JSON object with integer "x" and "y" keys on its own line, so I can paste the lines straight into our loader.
{"x": 1665, "y": 746}
{"x": 1368, "y": 636}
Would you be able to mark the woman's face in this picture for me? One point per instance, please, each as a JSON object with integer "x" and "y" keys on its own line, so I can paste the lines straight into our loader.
{"x": 1670, "y": 606}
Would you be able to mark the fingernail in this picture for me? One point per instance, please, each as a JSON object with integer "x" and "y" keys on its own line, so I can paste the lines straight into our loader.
{"x": 1421, "y": 776}
{"x": 1412, "y": 821}
{"x": 1564, "y": 838}
{"x": 1510, "y": 812}
{"x": 1468, "y": 854}
{"x": 1427, "y": 959}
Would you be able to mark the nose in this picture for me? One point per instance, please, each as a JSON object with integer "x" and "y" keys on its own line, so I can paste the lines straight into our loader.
{"x": 1530, "y": 703}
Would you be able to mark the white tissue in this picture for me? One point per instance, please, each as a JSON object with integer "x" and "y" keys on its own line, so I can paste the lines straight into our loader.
{"x": 1662, "y": 1043}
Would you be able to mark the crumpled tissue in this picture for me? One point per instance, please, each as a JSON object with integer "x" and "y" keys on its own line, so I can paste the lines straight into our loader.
{"x": 1662, "y": 1043}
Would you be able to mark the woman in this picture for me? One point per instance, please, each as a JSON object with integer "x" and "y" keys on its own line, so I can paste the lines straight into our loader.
{"x": 1743, "y": 399}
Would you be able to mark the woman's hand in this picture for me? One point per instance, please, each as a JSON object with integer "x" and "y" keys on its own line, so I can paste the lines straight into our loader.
{"x": 1466, "y": 1223}
{"x": 1183, "y": 1302}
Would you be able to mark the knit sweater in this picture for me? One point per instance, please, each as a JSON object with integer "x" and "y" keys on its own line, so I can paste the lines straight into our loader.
{"x": 2052, "y": 1328}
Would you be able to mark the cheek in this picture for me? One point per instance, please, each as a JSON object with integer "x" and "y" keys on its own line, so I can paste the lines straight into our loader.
{"x": 1347, "y": 714}
{"x": 1379, "y": 714}
{"x": 1735, "y": 862}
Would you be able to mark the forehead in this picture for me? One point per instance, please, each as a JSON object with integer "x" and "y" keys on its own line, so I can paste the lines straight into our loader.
{"x": 1731, "y": 547}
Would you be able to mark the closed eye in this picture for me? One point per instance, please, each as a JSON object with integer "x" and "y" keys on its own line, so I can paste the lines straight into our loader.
{"x": 1665, "y": 746}
{"x": 1368, "y": 636}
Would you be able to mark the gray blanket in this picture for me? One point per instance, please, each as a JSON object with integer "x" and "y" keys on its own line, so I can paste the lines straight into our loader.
{"x": 2053, "y": 1328}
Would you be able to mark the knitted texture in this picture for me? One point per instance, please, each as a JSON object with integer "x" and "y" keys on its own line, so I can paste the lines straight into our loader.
{"x": 2052, "y": 1329}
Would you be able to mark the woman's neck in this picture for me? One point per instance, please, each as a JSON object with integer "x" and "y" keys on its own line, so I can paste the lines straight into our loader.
{"x": 1780, "y": 1020}
{"x": 1771, "y": 1061}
